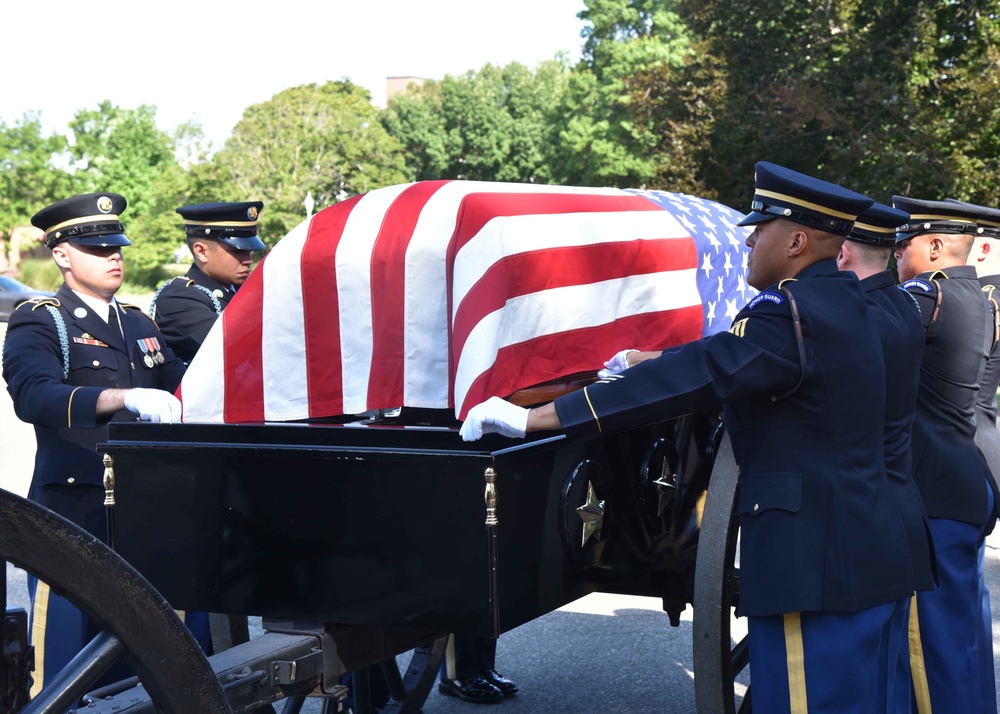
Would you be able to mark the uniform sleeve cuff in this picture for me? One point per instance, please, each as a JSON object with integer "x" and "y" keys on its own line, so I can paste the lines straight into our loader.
{"x": 81, "y": 411}
{"x": 576, "y": 414}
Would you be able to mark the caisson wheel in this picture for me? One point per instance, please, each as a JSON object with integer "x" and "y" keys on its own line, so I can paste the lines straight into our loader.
{"x": 720, "y": 645}
{"x": 137, "y": 622}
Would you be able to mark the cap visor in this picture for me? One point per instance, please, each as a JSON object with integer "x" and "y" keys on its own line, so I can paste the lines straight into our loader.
{"x": 250, "y": 243}
{"x": 755, "y": 217}
{"x": 110, "y": 239}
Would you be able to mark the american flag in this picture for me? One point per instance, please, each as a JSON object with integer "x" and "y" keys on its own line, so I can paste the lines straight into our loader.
{"x": 440, "y": 294}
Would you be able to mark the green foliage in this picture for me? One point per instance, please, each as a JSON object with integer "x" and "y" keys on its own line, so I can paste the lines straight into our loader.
{"x": 497, "y": 124}
{"x": 121, "y": 150}
{"x": 320, "y": 139}
{"x": 884, "y": 96}
{"x": 601, "y": 143}
{"x": 28, "y": 181}
{"x": 40, "y": 273}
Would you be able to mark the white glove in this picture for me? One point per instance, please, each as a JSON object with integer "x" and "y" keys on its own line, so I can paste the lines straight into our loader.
{"x": 495, "y": 416}
{"x": 153, "y": 405}
{"x": 616, "y": 365}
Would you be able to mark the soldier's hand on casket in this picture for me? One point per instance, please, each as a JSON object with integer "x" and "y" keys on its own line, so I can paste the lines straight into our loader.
{"x": 616, "y": 365}
{"x": 153, "y": 405}
{"x": 495, "y": 416}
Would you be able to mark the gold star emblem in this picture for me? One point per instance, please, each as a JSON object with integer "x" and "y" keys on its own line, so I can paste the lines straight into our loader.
{"x": 592, "y": 515}
{"x": 666, "y": 487}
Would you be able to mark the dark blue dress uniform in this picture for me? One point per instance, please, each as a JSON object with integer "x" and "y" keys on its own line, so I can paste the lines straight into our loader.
{"x": 185, "y": 308}
{"x": 947, "y": 633}
{"x": 55, "y": 366}
{"x": 897, "y": 316}
{"x": 825, "y": 565}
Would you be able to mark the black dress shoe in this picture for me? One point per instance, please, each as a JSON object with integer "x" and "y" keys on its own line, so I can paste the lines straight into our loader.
{"x": 473, "y": 689}
{"x": 506, "y": 687}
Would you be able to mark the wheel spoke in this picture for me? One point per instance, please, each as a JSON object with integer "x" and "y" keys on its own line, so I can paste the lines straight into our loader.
{"x": 740, "y": 656}
{"x": 79, "y": 676}
{"x": 393, "y": 679}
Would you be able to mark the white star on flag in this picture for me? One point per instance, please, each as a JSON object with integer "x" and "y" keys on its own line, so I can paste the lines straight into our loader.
{"x": 731, "y": 309}
{"x": 729, "y": 263}
{"x": 711, "y": 311}
{"x": 706, "y": 264}
{"x": 712, "y": 227}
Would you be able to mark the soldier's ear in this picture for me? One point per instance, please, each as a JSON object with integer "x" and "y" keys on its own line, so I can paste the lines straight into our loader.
{"x": 60, "y": 255}
{"x": 200, "y": 251}
{"x": 797, "y": 242}
{"x": 935, "y": 247}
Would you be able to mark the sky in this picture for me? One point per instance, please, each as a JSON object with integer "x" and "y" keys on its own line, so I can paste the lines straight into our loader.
{"x": 207, "y": 61}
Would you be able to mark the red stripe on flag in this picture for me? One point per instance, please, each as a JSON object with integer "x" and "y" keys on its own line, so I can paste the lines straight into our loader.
{"x": 321, "y": 309}
{"x": 242, "y": 355}
{"x": 549, "y": 357}
{"x": 388, "y": 273}
{"x": 479, "y": 208}
{"x": 526, "y": 273}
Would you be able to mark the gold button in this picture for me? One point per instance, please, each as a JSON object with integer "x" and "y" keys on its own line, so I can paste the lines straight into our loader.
{"x": 96, "y": 363}
{"x": 756, "y": 507}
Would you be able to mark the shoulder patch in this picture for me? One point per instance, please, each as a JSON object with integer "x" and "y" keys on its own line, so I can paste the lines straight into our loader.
{"x": 919, "y": 284}
{"x": 40, "y": 302}
{"x": 768, "y": 296}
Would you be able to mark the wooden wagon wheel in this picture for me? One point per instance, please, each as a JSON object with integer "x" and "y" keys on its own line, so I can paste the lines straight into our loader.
{"x": 138, "y": 623}
{"x": 718, "y": 661}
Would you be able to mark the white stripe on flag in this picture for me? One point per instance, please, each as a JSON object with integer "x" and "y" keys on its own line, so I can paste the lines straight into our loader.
{"x": 512, "y": 235}
{"x": 283, "y": 349}
{"x": 562, "y": 309}
{"x": 425, "y": 378}
{"x": 354, "y": 293}
{"x": 203, "y": 387}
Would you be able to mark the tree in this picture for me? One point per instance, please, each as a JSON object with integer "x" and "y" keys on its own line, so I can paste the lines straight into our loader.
{"x": 29, "y": 179}
{"x": 123, "y": 151}
{"x": 320, "y": 139}
{"x": 882, "y": 96}
{"x": 600, "y": 142}
{"x": 495, "y": 124}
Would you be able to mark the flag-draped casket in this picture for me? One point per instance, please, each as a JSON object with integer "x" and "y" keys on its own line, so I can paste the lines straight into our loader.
{"x": 440, "y": 294}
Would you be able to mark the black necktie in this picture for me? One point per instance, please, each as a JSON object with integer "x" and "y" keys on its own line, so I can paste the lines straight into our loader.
{"x": 113, "y": 320}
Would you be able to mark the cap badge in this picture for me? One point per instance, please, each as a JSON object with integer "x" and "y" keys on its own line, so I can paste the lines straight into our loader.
{"x": 104, "y": 204}
{"x": 252, "y": 213}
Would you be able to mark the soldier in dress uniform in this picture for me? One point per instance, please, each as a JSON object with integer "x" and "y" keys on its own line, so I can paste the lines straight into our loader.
{"x": 866, "y": 253}
{"x": 948, "y": 642}
{"x": 222, "y": 238}
{"x": 985, "y": 258}
{"x": 825, "y": 565}
{"x": 73, "y": 363}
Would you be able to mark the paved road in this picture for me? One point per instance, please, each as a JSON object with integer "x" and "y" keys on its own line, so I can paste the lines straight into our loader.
{"x": 605, "y": 653}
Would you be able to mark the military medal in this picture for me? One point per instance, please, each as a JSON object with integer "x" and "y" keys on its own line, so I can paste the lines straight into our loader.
{"x": 151, "y": 354}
